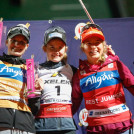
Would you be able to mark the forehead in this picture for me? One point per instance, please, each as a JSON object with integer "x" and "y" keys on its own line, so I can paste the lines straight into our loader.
{"x": 20, "y": 37}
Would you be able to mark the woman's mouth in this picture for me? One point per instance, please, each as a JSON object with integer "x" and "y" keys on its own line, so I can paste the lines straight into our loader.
{"x": 16, "y": 50}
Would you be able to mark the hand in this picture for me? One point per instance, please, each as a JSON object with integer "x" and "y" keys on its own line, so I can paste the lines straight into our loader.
{"x": 110, "y": 51}
{"x": 39, "y": 84}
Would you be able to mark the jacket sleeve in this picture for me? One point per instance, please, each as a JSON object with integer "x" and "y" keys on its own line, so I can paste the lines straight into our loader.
{"x": 126, "y": 76}
{"x": 74, "y": 69}
{"x": 76, "y": 93}
{"x": 34, "y": 104}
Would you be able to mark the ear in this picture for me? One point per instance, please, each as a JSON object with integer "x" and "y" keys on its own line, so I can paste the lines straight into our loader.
{"x": 44, "y": 48}
{"x": 66, "y": 49}
{"x": 82, "y": 47}
{"x": 26, "y": 47}
{"x": 6, "y": 42}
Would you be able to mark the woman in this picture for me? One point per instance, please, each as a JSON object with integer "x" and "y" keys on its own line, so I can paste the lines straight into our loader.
{"x": 54, "y": 80}
{"x": 100, "y": 80}
{"x": 15, "y": 114}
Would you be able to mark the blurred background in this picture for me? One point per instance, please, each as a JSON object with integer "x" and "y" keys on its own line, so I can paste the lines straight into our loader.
{"x": 64, "y": 9}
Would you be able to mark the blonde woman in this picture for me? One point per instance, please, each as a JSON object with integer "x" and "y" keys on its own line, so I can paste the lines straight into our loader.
{"x": 55, "y": 81}
{"x": 100, "y": 80}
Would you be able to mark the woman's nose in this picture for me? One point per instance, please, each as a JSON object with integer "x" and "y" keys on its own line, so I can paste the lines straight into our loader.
{"x": 93, "y": 46}
{"x": 56, "y": 50}
{"x": 16, "y": 44}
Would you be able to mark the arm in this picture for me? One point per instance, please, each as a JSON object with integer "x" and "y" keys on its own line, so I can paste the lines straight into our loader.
{"x": 126, "y": 76}
{"x": 74, "y": 69}
{"x": 34, "y": 104}
{"x": 76, "y": 93}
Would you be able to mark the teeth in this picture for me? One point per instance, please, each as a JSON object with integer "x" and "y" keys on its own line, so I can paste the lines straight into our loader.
{"x": 15, "y": 49}
{"x": 93, "y": 51}
{"x": 55, "y": 55}
{"x": 16, "y": 44}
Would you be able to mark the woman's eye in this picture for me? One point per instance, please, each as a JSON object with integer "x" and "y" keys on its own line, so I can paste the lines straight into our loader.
{"x": 60, "y": 47}
{"x": 51, "y": 47}
{"x": 97, "y": 43}
{"x": 88, "y": 43}
{"x": 13, "y": 41}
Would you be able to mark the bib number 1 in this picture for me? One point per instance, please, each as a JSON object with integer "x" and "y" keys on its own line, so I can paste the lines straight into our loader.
{"x": 58, "y": 90}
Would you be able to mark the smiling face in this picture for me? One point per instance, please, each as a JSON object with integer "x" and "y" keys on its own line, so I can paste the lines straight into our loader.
{"x": 55, "y": 49}
{"x": 17, "y": 45}
{"x": 93, "y": 48}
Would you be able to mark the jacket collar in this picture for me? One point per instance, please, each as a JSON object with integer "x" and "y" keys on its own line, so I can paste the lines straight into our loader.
{"x": 12, "y": 59}
{"x": 52, "y": 65}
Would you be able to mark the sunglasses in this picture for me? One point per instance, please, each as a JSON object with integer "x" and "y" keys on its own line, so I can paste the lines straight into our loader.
{"x": 91, "y": 25}
{"x": 18, "y": 29}
{"x": 53, "y": 30}
{"x": 56, "y": 29}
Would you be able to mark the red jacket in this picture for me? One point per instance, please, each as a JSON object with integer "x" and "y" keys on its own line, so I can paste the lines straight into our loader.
{"x": 102, "y": 89}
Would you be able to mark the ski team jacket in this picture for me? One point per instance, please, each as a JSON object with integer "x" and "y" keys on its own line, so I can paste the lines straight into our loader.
{"x": 14, "y": 111}
{"x": 102, "y": 89}
{"x": 55, "y": 112}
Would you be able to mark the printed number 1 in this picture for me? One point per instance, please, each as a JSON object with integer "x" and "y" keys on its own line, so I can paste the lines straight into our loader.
{"x": 58, "y": 90}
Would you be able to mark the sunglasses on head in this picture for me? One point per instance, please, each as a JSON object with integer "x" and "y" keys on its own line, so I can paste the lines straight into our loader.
{"x": 56, "y": 29}
{"x": 91, "y": 25}
{"x": 18, "y": 30}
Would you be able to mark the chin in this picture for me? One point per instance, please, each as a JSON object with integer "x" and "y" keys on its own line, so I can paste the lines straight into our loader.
{"x": 96, "y": 56}
{"x": 16, "y": 54}
{"x": 56, "y": 60}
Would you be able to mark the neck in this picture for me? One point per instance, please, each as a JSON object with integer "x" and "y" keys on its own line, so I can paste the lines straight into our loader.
{"x": 96, "y": 62}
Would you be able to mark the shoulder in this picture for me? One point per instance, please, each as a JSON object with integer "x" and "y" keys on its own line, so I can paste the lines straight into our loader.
{"x": 41, "y": 66}
{"x": 74, "y": 69}
{"x": 1, "y": 58}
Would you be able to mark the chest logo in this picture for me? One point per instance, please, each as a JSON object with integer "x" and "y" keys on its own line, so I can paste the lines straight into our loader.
{"x": 57, "y": 74}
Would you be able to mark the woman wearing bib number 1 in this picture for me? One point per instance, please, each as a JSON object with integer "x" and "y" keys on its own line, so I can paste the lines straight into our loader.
{"x": 100, "y": 80}
{"x": 55, "y": 114}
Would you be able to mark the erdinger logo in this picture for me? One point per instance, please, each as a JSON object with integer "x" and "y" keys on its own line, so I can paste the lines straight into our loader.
{"x": 103, "y": 77}
{"x": 11, "y": 70}
{"x": 83, "y": 117}
{"x": 78, "y": 30}
{"x": 57, "y": 74}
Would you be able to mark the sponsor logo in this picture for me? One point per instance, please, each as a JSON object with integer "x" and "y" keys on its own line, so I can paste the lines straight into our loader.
{"x": 104, "y": 98}
{"x": 55, "y": 101}
{"x": 111, "y": 65}
{"x": 103, "y": 77}
{"x": 57, "y": 82}
{"x": 109, "y": 111}
{"x": 11, "y": 70}
{"x": 57, "y": 74}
